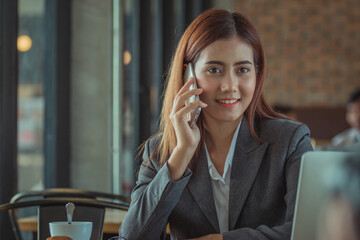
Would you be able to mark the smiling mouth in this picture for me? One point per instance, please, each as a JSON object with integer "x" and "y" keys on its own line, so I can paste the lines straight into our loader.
{"x": 227, "y": 101}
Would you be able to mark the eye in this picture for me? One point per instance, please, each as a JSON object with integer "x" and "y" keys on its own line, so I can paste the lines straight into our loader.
{"x": 214, "y": 70}
{"x": 243, "y": 70}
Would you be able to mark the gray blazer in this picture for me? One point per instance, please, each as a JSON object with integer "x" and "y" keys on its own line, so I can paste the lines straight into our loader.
{"x": 263, "y": 187}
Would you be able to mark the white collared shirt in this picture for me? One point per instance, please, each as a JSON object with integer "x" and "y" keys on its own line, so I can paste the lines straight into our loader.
{"x": 348, "y": 136}
{"x": 221, "y": 185}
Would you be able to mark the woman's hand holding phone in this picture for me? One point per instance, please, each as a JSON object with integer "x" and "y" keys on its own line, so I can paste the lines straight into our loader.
{"x": 189, "y": 75}
{"x": 185, "y": 135}
{"x": 187, "y": 138}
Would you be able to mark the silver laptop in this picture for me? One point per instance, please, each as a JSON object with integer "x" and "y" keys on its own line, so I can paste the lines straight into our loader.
{"x": 315, "y": 173}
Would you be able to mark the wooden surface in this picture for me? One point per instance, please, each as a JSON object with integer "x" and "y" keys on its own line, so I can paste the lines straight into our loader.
{"x": 112, "y": 222}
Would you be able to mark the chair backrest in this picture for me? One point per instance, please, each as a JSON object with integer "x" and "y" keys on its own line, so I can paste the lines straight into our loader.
{"x": 68, "y": 192}
{"x": 90, "y": 206}
{"x": 47, "y": 214}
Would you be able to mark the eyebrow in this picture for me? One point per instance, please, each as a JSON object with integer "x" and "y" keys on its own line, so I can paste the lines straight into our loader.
{"x": 237, "y": 63}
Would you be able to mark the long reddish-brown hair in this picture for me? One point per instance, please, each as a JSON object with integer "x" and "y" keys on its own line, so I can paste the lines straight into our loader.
{"x": 211, "y": 25}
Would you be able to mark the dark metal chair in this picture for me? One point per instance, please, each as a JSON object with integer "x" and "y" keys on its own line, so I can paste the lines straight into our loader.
{"x": 50, "y": 203}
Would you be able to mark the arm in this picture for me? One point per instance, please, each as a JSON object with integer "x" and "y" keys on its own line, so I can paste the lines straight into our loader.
{"x": 157, "y": 190}
{"x": 153, "y": 199}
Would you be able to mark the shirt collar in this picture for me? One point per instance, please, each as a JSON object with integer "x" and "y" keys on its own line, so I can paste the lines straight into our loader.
{"x": 355, "y": 134}
{"x": 228, "y": 162}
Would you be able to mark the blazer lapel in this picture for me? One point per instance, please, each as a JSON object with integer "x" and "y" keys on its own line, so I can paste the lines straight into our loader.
{"x": 246, "y": 162}
{"x": 200, "y": 187}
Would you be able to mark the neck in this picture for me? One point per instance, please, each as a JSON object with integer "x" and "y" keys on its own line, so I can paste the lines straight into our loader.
{"x": 219, "y": 135}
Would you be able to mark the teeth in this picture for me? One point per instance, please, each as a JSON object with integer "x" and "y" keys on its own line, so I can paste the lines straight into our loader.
{"x": 228, "y": 101}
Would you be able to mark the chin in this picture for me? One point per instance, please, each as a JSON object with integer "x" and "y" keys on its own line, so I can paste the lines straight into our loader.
{"x": 230, "y": 118}
{"x": 226, "y": 118}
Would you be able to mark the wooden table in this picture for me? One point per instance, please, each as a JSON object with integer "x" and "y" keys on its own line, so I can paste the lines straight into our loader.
{"x": 112, "y": 222}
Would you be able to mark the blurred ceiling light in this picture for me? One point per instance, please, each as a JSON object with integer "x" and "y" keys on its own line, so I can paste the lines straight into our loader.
{"x": 24, "y": 43}
{"x": 127, "y": 57}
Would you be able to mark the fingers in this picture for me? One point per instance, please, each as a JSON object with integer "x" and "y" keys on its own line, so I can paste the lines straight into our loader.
{"x": 191, "y": 107}
{"x": 184, "y": 89}
{"x": 179, "y": 110}
{"x": 181, "y": 115}
{"x": 180, "y": 100}
{"x": 186, "y": 86}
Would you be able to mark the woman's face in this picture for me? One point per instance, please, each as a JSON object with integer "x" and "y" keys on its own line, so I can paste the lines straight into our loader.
{"x": 225, "y": 71}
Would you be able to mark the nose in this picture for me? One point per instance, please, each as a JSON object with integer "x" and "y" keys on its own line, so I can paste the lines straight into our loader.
{"x": 229, "y": 83}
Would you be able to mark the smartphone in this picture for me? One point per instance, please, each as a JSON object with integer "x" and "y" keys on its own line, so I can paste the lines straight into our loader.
{"x": 190, "y": 73}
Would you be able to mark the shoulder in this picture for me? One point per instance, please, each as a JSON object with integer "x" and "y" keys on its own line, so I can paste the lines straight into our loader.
{"x": 280, "y": 124}
{"x": 343, "y": 137}
{"x": 153, "y": 142}
{"x": 285, "y": 136}
{"x": 149, "y": 148}
{"x": 272, "y": 129}
{"x": 345, "y": 133}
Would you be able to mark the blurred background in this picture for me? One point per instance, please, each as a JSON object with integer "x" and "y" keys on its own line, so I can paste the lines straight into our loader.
{"x": 81, "y": 81}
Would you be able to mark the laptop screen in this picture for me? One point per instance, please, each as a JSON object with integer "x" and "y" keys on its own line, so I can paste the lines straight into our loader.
{"x": 315, "y": 173}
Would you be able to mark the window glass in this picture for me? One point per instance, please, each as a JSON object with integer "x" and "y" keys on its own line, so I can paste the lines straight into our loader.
{"x": 130, "y": 99}
{"x": 30, "y": 95}
{"x": 125, "y": 96}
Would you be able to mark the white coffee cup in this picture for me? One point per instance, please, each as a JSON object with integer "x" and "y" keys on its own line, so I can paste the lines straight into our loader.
{"x": 75, "y": 230}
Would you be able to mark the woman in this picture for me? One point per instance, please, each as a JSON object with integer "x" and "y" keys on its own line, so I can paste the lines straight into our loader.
{"x": 234, "y": 174}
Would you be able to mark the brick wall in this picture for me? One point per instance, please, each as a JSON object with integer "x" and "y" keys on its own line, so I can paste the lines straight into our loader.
{"x": 312, "y": 49}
